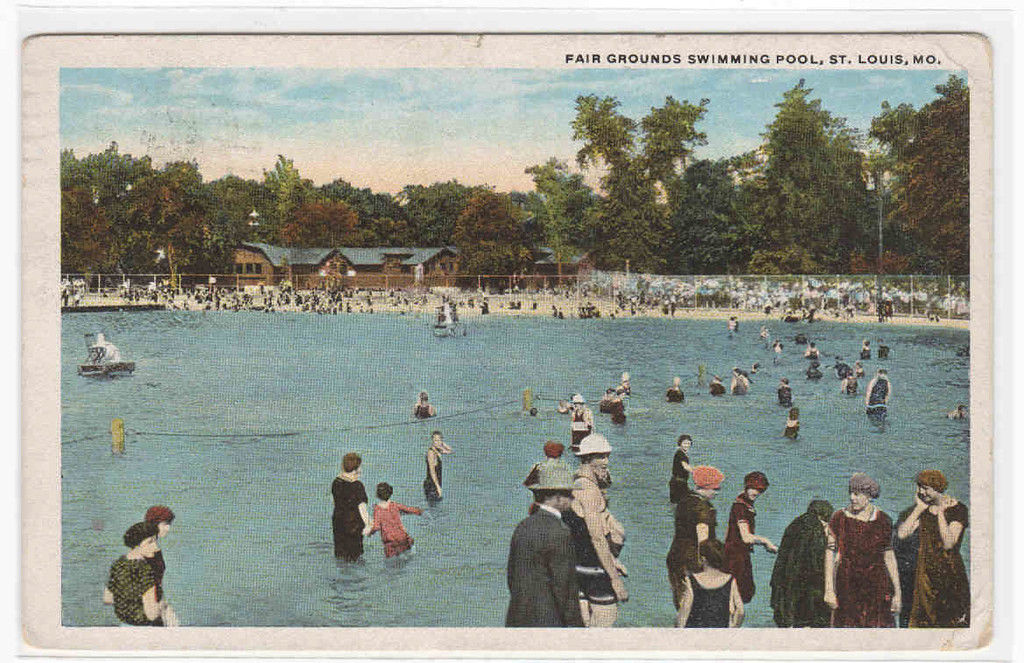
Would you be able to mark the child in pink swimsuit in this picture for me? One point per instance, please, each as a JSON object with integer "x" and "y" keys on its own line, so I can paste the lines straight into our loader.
{"x": 387, "y": 519}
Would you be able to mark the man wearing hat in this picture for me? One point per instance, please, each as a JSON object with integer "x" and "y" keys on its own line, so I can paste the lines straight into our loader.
{"x": 541, "y": 563}
{"x": 598, "y": 537}
{"x": 695, "y": 522}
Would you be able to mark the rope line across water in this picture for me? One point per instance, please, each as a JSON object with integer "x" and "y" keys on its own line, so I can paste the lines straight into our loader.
{"x": 393, "y": 424}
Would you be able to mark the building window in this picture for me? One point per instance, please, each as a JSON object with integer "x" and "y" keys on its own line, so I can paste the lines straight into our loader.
{"x": 257, "y": 268}
{"x": 239, "y": 267}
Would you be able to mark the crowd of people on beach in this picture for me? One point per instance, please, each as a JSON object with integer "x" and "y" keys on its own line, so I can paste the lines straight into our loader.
{"x": 587, "y": 300}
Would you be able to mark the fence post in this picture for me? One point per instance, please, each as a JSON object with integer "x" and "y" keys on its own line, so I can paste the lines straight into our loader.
{"x": 949, "y": 296}
{"x": 911, "y": 295}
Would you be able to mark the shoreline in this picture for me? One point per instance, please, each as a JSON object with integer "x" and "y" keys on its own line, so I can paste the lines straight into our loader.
{"x": 498, "y": 306}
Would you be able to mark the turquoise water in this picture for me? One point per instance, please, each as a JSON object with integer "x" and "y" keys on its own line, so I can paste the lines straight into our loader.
{"x": 251, "y": 545}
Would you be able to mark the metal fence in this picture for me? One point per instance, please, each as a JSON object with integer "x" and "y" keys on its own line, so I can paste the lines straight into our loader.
{"x": 910, "y": 295}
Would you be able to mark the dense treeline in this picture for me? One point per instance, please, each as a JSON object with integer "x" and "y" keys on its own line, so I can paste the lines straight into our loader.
{"x": 807, "y": 200}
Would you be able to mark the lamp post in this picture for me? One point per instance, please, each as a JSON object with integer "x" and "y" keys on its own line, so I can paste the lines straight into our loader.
{"x": 877, "y": 183}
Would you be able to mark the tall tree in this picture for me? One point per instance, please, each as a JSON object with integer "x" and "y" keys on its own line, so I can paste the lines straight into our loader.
{"x": 706, "y": 229}
{"x": 288, "y": 190}
{"x": 432, "y": 210}
{"x": 930, "y": 152}
{"x": 488, "y": 236}
{"x": 169, "y": 212}
{"x": 640, "y": 161}
{"x": 561, "y": 208}
{"x": 809, "y": 197}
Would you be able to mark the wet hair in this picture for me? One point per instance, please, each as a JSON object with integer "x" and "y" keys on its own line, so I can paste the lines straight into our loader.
{"x": 533, "y": 412}
{"x": 437, "y": 432}
{"x": 139, "y": 532}
{"x": 351, "y": 462}
{"x": 159, "y": 514}
{"x": 423, "y": 396}
{"x": 785, "y": 380}
{"x": 794, "y": 413}
{"x": 684, "y": 436}
{"x": 384, "y": 491}
{"x": 713, "y": 553}
{"x": 884, "y": 372}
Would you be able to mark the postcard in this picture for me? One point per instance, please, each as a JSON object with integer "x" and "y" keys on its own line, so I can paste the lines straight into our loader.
{"x": 400, "y": 344}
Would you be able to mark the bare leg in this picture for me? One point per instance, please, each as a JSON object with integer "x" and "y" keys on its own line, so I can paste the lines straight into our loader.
{"x": 585, "y": 611}
{"x": 603, "y": 616}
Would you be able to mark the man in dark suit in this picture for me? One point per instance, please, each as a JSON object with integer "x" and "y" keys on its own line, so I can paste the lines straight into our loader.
{"x": 541, "y": 561}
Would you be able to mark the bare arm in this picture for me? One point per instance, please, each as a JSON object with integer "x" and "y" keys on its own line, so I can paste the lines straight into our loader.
{"x": 108, "y": 596}
{"x": 894, "y": 577}
{"x": 909, "y": 526}
{"x": 750, "y": 538}
{"x": 364, "y": 514}
{"x": 948, "y": 531}
{"x": 831, "y": 562}
{"x": 150, "y": 605}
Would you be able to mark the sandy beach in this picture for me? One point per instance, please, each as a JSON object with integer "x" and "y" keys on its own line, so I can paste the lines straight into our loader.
{"x": 423, "y": 304}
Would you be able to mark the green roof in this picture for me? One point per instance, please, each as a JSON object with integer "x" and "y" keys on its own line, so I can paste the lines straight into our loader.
{"x": 280, "y": 255}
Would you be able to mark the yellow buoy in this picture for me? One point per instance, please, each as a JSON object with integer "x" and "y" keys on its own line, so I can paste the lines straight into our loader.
{"x": 117, "y": 436}
{"x": 527, "y": 399}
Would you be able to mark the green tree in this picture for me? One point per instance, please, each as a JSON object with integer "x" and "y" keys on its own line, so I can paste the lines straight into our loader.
{"x": 288, "y": 190}
{"x": 84, "y": 233}
{"x": 706, "y": 229}
{"x": 561, "y": 207}
{"x": 808, "y": 200}
{"x": 489, "y": 237}
{"x": 930, "y": 154}
{"x": 431, "y": 211}
{"x": 640, "y": 161}
{"x": 169, "y": 211}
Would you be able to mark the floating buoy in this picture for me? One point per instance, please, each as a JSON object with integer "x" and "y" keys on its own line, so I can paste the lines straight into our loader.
{"x": 527, "y": 399}
{"x": 117, "y": 436}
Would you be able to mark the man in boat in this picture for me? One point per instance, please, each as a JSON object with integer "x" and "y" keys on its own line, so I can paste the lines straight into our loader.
{"x": 103, "y": 351}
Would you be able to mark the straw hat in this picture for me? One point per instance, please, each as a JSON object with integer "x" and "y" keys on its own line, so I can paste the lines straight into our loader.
{"x": 595, "y": 443}
{"x": 556, "y": 476}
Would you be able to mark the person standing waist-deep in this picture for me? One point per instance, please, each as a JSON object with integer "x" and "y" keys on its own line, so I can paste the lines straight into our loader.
{"x": 351, "y": 519}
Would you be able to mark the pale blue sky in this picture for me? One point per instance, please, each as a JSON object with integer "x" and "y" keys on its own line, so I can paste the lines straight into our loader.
{"x": 384, "y": 128}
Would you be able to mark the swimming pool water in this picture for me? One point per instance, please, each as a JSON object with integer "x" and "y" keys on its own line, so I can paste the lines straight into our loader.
{"x": 251, "y": 544}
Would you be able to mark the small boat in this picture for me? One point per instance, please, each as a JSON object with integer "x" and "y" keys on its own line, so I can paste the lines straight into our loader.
{"x": 448, "y": 323}
{"x": 114, "y": 369}
{"x": 104, "y": 359}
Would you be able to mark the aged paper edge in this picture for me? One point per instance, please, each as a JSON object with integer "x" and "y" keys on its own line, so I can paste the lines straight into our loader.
{"x": 42, "y": 59}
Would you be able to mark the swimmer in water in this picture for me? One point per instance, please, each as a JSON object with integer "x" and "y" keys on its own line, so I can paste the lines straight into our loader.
{"x": 876, "y": 400}
{"x": 675, "y": 392}
{"x": 733, "y": 325}
{"x": 764, "y": 334}
{"x": 842, "y": 369}
{"x": 792, "y": 424}
{"x": 605, "y": 404}
{"x": 813, "y": 372}
{"x": 624, "y": 389}
{"x": 865, "y": 349}
{"x": 812, "y": 352}
{"x": 755, "y": 367}
{"x": 858, "y": 369}
{"x": 785, "y": 393}
{"x": 849, "y": 385}
{"x": 777, "y": 349}
{"x": 740, "y": 383}
{"x": 959, "y": 413}
{"x": 883, "y": 350}
{"x": 716, "y": 388}
{"x": 582, "y": 421}
{"x": 423, "y": 409}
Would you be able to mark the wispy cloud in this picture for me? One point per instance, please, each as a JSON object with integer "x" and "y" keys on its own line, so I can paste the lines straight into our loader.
{"x": 375, "y": 127}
